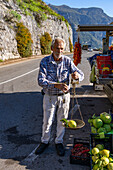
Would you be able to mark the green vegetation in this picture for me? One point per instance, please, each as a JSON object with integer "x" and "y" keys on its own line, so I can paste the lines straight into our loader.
{"x": 1, "y": 60}
{"x": 45, "y": 42}
{"x": 39, "y": 9}
{"x": 16, "y": 15}
{"x": 1, "y": 48}
{"x": 24, "y": 40}
{"x": 70, "y": 45}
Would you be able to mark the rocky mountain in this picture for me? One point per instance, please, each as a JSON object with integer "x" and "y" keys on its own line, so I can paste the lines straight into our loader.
{"x": 85, "y": 16}
{"x": 37, "y": 17}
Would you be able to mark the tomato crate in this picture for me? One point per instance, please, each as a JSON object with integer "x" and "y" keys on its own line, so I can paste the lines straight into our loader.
{"x": 80, "y": 152}
{"x": 107, "y": 141}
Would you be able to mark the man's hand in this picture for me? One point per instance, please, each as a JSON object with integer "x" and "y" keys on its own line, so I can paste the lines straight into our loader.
{"x": 61, "y": 86}
{"x": 75, "y": 75}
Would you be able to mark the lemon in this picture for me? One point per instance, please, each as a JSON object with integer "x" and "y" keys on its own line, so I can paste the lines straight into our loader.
{"x": 72, "y": 124}
{"x": 105, "y": 161}
{"x": 110, "y": 166}
{"x": 95, "y": 167}
{"x": 100, "y": 147}
{"x": 95, "y": 158}
{"x": 95, "y": 151}
{"x": 110, "y": 159}
{"x": 105, "y": 152}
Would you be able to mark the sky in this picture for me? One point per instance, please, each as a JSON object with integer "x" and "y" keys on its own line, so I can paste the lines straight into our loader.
{"x": 106, "y": 5}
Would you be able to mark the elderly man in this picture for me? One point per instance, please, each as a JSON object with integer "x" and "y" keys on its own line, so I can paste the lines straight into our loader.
{"x": 54, "y": 78}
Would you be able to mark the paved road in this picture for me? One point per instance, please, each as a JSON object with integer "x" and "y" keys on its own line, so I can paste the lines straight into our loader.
{"x": 21, "y": 117}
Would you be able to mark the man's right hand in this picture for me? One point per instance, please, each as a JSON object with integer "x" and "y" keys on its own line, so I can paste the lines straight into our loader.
{"x": 61, "y": 86}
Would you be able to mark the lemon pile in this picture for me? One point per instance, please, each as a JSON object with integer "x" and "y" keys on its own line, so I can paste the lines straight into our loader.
{"x": 101, "y": 158}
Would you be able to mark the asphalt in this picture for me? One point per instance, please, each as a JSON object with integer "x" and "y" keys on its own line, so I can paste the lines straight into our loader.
{"x": 90, "y": 102}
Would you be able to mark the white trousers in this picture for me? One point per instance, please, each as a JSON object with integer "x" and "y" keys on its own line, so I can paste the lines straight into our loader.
{"x": 50, "y": 103}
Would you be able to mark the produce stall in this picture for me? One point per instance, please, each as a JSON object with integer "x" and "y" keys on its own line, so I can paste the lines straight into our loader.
{"x": 101, "y": 141}
{"x": 101, "y": 152}
{"x": 98, "y": 151}
{"x": 101, "y": 69}
{"x": 101, "y": 64}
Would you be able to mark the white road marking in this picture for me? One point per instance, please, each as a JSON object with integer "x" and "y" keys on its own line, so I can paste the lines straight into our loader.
{"x": 7, "y": 81}
{"x": 31, "y": 157}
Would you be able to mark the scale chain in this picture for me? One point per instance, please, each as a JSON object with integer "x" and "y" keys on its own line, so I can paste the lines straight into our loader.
{"x": 74, "y": 96}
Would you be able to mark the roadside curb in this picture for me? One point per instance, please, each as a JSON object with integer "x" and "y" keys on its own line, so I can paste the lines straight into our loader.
{"x": 10, "y": 61}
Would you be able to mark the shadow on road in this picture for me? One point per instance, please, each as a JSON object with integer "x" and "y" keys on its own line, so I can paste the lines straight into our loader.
{"x": 20, "y": 123}
{"x": 21, "y": 127}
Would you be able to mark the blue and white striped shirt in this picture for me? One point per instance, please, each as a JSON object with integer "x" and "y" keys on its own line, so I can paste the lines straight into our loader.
{"x": 51, "y": 72}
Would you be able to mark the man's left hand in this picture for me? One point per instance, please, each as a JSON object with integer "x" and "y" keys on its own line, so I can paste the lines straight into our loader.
{"x": 75, "y": 75}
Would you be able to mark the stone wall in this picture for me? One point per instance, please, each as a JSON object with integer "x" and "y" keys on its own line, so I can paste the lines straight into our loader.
{"x": 8, "y": 43}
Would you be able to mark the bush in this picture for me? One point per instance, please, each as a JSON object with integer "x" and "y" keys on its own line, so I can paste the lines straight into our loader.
{"x": 70, "y": 45}
{"x": 24, "y": 41}
{"x": 40, "y": 17}
{"x": 1, "y": 60}
{"x": 45, "y": 42}
{"x": 39, "y": 7}
{"x": 16, "y": 15}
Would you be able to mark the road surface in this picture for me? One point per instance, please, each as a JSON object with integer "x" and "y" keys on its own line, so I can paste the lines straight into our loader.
{"x": 21, "y": 117}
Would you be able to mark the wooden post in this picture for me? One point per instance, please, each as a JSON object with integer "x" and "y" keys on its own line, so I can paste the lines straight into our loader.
{"x": 107, "y": 39}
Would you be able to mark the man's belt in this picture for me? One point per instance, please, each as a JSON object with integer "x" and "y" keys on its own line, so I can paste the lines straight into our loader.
{"x": 60, "y": 94}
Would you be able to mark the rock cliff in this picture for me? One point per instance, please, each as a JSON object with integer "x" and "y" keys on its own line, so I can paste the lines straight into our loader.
{"x": 8, "y": 44}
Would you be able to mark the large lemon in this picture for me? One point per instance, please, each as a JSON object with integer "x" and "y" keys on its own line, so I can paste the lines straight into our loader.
{"x": 105, "y": 152}
{"x": 72, "y": 124}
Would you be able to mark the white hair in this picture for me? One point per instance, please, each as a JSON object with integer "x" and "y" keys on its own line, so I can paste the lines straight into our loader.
{"x": 58, "y": 38}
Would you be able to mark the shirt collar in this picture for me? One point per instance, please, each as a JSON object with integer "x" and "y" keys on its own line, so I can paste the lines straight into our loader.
{"x": 51, "y": 59}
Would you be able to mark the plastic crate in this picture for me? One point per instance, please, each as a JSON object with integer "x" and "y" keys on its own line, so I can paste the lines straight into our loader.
{"x": 107, "y": 142}
{"x": 104, "y": 64}
{"x": 80, "y": 159}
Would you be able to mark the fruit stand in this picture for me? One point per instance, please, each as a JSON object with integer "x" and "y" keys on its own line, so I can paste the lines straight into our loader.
{"x": 101, "y": 141}
{"x": 97, "y": 152}
{"x": 101, "y": 69}
{"x": 101, "y": 64}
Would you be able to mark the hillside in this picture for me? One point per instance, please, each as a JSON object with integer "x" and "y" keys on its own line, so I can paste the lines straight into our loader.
{"x": 24, "y": 22}
{"x": 85, "y": 16}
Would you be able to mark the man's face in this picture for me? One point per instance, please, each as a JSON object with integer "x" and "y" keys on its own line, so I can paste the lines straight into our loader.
{"x": 58, "y": 50}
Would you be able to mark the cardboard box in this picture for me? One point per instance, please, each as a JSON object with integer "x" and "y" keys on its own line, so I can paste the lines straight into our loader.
{"x": 98, "y": 87}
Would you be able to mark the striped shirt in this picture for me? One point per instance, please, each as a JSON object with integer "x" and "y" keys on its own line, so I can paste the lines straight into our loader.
{"x": 51, "y": 72}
